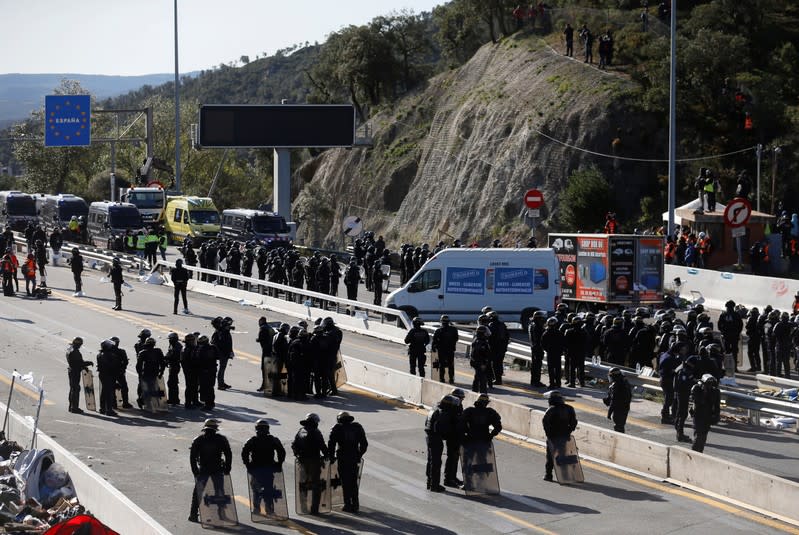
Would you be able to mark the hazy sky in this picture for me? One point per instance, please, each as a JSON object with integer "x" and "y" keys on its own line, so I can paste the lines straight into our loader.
{"x": 137, "y": 36}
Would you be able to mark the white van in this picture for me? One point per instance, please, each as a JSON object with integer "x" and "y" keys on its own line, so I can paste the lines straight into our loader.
{"x": 460, "y": 282}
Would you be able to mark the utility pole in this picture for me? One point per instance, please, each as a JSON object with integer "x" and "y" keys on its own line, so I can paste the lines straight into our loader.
{"x": 759, "y": 160}
{"x": 777, "y": 151}
{"x": 673, "y": 121}
{"x": 177, "y": 105}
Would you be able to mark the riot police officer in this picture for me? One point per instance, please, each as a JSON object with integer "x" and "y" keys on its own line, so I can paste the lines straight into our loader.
{"x": 559, "y": 422}
{"x": 552, "y": 344}
{"x": 706, "y": 409}
{"x": 206, "y": 357}
{"x": 310, "y": 451}
{"x": 348, "y": 444}
{"x": 618, "y": 399}
{"x": 577, "y": 343}
{"x": 108, "y": 370}
{"x": 417, "y": 340}
{"x": 445, "y": 339}
{"x": 209, "y": 456}
{"x": 536, "y": 333}
{"x": 122, "y": 366}
{"x": 76, "y": 365}
{"x": 150, "y": 365}
{"x": 191, "y": 372}
{"x": 477, "y": 420}
{"x": 265, "y": 452}
{"x": 684, "y": 380}
{"x": 480, "y": 360}
{"x": 266, "y": 335}
{"x": 441, "y": 421}
{"x": 173, "y": 356}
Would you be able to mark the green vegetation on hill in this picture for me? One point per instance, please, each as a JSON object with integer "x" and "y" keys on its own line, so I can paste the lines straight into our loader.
{"x": 725, "y": 47}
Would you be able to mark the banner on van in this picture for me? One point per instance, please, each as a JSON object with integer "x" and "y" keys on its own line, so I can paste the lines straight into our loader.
{"x": 513, "y": 281}
{"x": 465, "y": 281}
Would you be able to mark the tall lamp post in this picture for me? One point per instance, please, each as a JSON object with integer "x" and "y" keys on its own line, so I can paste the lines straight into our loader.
{"x": 673, "y": 121}
{"x": 177, "y": 105}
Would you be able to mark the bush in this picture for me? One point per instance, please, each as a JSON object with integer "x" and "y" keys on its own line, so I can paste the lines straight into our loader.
{"x": 585, "y": 201}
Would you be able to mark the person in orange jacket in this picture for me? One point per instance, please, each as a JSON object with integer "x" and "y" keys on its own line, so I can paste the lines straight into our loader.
{"x": 611, "y": 225}
{"x": 703, "y": 247}
{"x": 7, "y": 269}
{"x": 15, "y": 262}
{"x": 29, "y": 272}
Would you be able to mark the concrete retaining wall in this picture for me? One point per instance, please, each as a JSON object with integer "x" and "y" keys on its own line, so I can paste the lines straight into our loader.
{"x": 632, "y": 452}
{"x": 764, "y": 491}
{"x": 381, "y": 379}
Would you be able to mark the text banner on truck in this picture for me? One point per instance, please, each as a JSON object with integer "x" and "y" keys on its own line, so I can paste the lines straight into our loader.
{"x": 465, "y": 281}
{"x": 513, "y": 281}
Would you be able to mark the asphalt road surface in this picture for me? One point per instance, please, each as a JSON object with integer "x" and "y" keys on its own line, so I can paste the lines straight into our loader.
{"x": 146, "y": 456}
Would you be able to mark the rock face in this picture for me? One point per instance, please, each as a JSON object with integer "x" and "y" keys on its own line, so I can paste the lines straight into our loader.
{"x": 454, "y": 159}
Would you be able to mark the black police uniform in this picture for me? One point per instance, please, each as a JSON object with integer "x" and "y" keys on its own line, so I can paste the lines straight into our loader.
{"x": 209, "y": 456}
{"x": 348, "y": 443}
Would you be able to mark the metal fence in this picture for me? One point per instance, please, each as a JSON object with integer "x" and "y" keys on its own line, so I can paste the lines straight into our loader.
{"x": 22, "y": 395}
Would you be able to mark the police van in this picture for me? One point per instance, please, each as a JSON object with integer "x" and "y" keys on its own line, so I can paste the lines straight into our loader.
{"x": 109, "y": 221}
{"x": 57, "y": 210}
{"x": 17, "y": 209}
{"x": 265, "y": 228}
{"x": 460, "y": 282}
{"x": 193, "y": 217}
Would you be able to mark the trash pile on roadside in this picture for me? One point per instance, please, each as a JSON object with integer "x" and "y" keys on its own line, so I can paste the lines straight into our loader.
{"x": 36, "y": 493}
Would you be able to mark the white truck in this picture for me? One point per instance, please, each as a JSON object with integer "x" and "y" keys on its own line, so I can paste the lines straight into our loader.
{"x": 150, "y": 200}
{"x": 460, "y": 282}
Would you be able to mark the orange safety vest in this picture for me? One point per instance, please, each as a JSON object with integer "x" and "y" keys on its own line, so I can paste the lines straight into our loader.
{"x": 8, "y": 266}
{"x": 670, "y": 250}
{"x": 29, "y": 269}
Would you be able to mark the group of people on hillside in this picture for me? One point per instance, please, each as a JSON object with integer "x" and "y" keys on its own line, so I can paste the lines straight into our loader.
{"x": 530, "y": 15}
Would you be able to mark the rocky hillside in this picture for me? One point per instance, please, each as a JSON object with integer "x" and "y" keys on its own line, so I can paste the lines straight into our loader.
{"x": 453, "y": 159}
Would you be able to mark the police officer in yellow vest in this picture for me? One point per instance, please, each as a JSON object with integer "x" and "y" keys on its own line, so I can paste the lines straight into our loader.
{"x": 140, "y": 240}
{"x": 130, "y": 241}
{"x": 163, "y": 241}
{"x": 151, "y": 247}
{"x": 711, "y": 188}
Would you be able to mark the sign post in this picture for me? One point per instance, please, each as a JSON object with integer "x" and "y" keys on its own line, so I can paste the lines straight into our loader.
{"x": 533, "y": 200}
{"x": 736, "y": 216}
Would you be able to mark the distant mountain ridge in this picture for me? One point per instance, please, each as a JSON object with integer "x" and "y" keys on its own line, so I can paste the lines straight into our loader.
{"x": 21, "y": 93}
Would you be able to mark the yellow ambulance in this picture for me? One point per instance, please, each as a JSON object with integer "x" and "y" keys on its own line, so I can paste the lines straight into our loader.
{"x": 195, "y": 217}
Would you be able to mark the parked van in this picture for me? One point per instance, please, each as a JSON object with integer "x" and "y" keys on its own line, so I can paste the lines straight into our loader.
{"x": 57, "y": 210}
{"x": 17, "y": 209}
{"x": 265, "y": 228}
{"x": 195, "y": 217}
{"x": 111, "y": 220}
{"x": 460, "y": 282}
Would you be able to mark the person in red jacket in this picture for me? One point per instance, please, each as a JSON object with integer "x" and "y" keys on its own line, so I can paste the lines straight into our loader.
{"x": 29, "y": 272}
{"x": 7, "y": 269}
{"x": 611, "y": 225}
{"x": 15, "y": 261}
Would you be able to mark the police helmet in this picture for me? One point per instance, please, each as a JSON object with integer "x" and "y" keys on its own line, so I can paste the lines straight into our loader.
{"x": 486, "y": 310}
{"x": 189, "y": 338}
{"x": 551, "y": 322}
{"x": 458, "y": 393}
{"x": 284, "y": 328}
{"x": 107, "y": 345}
{"x": 704, "y": 331}
{"x": 303, "y": 333}
{"x": 785, "y": 316}
{"x": 115, "y": 339}
{"x": 216, "y": 322}
{"x": 172, "y": 336}
{"x": 482, "y": 399}
{"x": 482, "y": 330}
{"x": 679, "y": 330}
{"x": 328, "y": 322}
{"x": 483, "y": 319}
{"x": 615, "y": 373}
{"x": 75, "y": 250}
{"x": 729, "y": 304}
{"x": 709, "y": 379}
{"x": 294, "y": 330}
{"x": 202, "y": 340}
{"x": 150, "y": 342}
{"x": 116, "y": 261}
{"x": 211, "y": 423}
{"x": 227, "y": 320}
{"x": 555, "y": 397}
{"x": 577, "y": 320}
{"x": 590, "y": 316}
{"x": 302, "y": 324}
{"x": 493, "y": 315}
{"x": 703, "y": 317}
{"x": 145, "y": 333}
{"x": 626, "y": 314}
{"x": 774, "y": 315}
{"x": 73, "y": 218}
{"x": 539, "y": 315}
{"x": 449, "y": 401}
{"x": 570, "y": 317}
{"x": 713, "y": 350}
{"x": 618, "y": 322}
{"x": 310, "y": 419}
{"x": 417, "y": 322}
{"x": 444, "y": 319}
{"x": 562, "y": 307}
{"x": 261, "y": 425}
{"x": 344, "y": 417}
{"x": 754, "y": 311}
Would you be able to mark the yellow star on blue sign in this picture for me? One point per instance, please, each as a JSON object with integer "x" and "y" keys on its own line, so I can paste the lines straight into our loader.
{"x": 68, "y": 120}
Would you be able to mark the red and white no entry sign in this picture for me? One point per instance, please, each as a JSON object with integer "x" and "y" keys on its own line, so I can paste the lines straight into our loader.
{"x": 737, "y": 212}
{"x": 533, "y": 199}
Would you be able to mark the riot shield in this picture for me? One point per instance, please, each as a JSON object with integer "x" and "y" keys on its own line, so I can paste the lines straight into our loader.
{"x": 149, "y": 394}
{"x": 336, "y": 488}
{"x": 88, "y": 389}
{"x": 479, "y": 468}
{"x": 567, "y": 463}
{"x": 267, "y": 373}
{"x": 267, "y": 496}
{"x": 160, "y": 401}
{"x": 386, "y": 269}
{"x": 341, "y": 371}
{"x": 217, "y": 506}
{"x": 310, "y": 490}
{"x": 118, "y": 394}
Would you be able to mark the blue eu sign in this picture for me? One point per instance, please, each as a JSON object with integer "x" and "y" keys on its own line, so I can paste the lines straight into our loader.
{"x": 67, "y": 121}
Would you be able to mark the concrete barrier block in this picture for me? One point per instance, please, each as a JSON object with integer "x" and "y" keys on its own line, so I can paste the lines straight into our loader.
{"x": 515, "y": 418}
{"x": 382, "y": 379}
{"x": 536, "y": 431}
{"x": 625, "y": 450}
{"x": 433, "y": 391}
{"x": 734, "y": 481}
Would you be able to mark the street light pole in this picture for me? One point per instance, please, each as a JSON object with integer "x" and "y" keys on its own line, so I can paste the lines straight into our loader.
{"x": 759, "y": 159}
{"x": 177, "y": 105}
{"x": 673, "y": 121}
{"x": 777, "y": 151}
